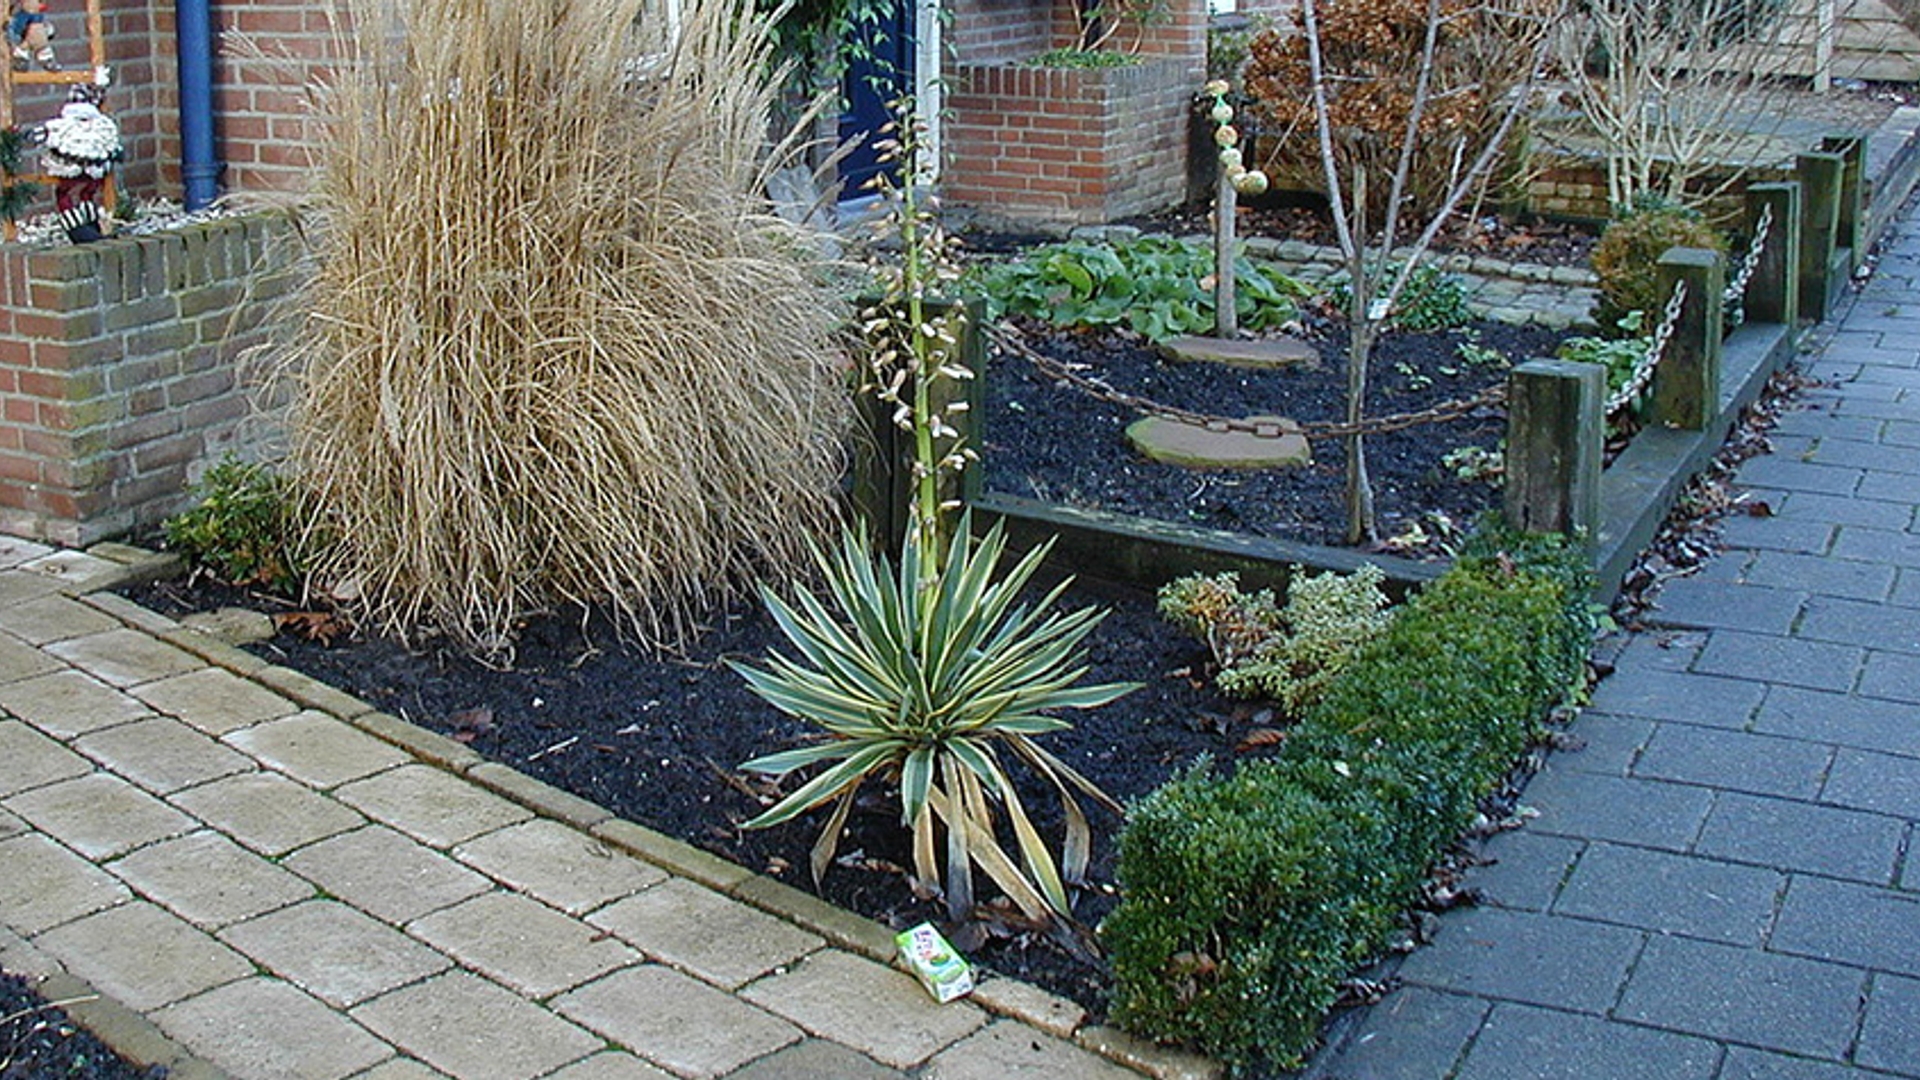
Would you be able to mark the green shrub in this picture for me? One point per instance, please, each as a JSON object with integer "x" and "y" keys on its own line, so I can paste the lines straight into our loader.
{"x": 1287, "y": 653}
{"x": 1432, "y": 300}
{"x": 1246, "y": 898}
{"x": 1155, "y": 286}
{"x": 1627, "y": 257}
{"x": 1619, "y": 353}
{"x": 241, "y": 528}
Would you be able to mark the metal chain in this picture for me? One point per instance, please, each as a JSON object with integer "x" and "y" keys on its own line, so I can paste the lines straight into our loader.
{"x": 1736, "y": 292}
{"x": 1636, "y": 383}
{"x": 1012, "y": 341}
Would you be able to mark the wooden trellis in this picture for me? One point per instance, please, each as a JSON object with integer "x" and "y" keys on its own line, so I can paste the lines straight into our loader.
{"x": 97, "y": 59}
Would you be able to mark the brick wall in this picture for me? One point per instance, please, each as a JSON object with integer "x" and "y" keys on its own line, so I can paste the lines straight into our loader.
{"x": 269, "y": 51}
{"x": 119, "y": 371}
{"x": 1070, "y": 146}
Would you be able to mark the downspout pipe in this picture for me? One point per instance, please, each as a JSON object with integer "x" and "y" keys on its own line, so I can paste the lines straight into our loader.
{"x": 199, "y": 171}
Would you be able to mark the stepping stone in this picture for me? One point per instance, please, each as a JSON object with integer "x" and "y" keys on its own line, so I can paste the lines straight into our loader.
{"x": 1198, "y": 447}
{"x": 1264, "y": 353}
{"x": 233, "y": 625}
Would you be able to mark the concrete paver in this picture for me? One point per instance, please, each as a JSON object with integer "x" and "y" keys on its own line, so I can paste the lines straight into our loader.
{"x": 316, "y": 749}
{"x": 29, "y": 759}
{"x": 894, "y": 1021}
{"x": 385, "y": 874}
{"x": 334, "y": 952}
{"x": 679, "y": 1023}
{"x": 142, "y": 956}
{"x": 431, "y": 806}
{"x": 99, "y": 815}
{"x": 46, "y": 885}
{"x": 522, "y": 943}
{"x": 124, "y": 657}
{"x": 161, "y": 755}
{"x": 209, "y": 880}
{"x": 263, "y": 1027}
{"x": 267, "y": 812}
{"x": 473, "y": 1029}
{"x": 696, "y": 929}
{"x": 214, "y": 700}
{"x": 562, "y": 866}
{"x": 66, "y": 703}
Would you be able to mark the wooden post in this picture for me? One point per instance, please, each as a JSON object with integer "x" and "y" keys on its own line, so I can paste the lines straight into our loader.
{"x": 1850, "y": 231}
{"x": 1820, "y": 179}
{"x": 1226, "y": 317}
{"x": 1773, "y": 293}
{"x": 1556, "y": 432}
{"x": 1686, "y": 382}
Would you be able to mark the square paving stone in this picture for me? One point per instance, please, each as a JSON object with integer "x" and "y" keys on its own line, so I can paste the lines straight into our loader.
{"x": 333, "y": 952}
{"x": 1802, "y": 837}
{"x": 1849, "y": 923}
{"x": 29, "y": 759}
{"x": 431, "y": 806}
{"x": 18, "y": 661}
{"x": 209, "y": 880}
{"x": 263, "y": 1027}
{"x": 814, "y": 1059}
{"x": 1795, "y": 662}
{"x": 385, "y": 874}
{"x": 10, "y": 825}
{"x": 1822, "y": 576}
{"x": 1890, "y": 1036}
{"x": 66, "y": 703}
{"x": 694, "y": 928}
{"x": 1520, "y": 1042}
{"x": 1005, "y": 1050}
{"x": 142, "y": 956}
{"x": 1521, "y": 956}
{"x": 99, "y": 816}
{"x": 317, "y": 749}
{"x": 1891, "y": 675}
{"x": 1677, "y": 695}
{"x": 54, "y": 618}
{"x": 470, "y": 1028}
{"x": 560, "y": 865}
{"x": 1672, "y": 894}
{"x": 1523, "y": 869}
{"x": 1859, "y": 622}
{"x": 523, "y": 943}
{"x": 889, "y": 1016}
{"x": 1886, "y": 546}
{"x": 125, "y": 657}
{"x": 1744, "y": 995}
{"x": 1685, "y": 602}
{"x": 1735, "y": 760}
{"x": 161, "y": 755}
{"x": 1744, "y": 1063}
{"x": 267, "y": 812}
{"x": 679, "y": 1023}
{"x": 215, "y": 700}
{"x": 1649, "y": 813}
{"x": 46, "y": 885}
{"x": 1411, "y": 1032}
{"x": 1884, "y": 784}
{"x": 1606, "y": 743}
{"x": 614, "y": 1065}
{"x": 1843, "y": 719}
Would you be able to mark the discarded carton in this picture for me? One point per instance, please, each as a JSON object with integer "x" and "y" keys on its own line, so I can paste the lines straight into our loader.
{"x": 941, "y": 970}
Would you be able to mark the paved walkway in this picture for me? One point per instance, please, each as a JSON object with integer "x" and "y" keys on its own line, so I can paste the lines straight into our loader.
{"x": 264, "y": 879}
{"x": 1723, "y": 883}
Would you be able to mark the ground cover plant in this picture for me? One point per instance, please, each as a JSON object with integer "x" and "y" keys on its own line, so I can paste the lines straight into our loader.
{"x": 585, "y": 375}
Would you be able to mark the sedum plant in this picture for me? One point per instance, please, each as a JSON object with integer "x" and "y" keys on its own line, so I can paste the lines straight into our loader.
{"x": 1289, "y": 653}
{"x": 929, "y": 672}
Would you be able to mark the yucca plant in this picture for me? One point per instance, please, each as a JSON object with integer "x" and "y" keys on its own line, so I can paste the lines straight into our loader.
{"x": 929, "y": 686}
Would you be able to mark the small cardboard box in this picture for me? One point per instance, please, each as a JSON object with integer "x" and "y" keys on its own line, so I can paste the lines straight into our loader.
{"x": 941, "y": 970}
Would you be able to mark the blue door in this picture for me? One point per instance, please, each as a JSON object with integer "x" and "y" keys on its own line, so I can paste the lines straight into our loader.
{"x": 872, "y": 82}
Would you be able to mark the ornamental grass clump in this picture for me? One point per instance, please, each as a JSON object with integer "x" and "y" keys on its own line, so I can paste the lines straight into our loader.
{"x": 558, "y": 349}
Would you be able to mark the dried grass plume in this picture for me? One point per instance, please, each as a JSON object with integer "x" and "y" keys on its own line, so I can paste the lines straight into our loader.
{"x": 557, "y": 349}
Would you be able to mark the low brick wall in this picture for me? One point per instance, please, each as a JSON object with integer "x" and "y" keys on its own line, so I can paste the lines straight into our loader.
{"x": 120, "y": 371}
{"x": 1070, "y": 146}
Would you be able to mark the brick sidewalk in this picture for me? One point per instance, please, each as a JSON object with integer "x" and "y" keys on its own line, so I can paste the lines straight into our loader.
{"x": 258, "y": 886}
{"x": 1722, "y": 884}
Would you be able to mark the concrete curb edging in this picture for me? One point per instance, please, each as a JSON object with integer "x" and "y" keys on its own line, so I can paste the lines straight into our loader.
{"x": 999, "y": 995}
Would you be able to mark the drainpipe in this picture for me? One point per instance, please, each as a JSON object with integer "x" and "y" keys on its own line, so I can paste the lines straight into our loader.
{"x": 198, "y": 169}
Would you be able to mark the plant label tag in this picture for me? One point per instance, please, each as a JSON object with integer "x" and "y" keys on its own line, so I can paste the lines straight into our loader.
{"x": 941, "y": 970}
{"x": 1378, "y": 310}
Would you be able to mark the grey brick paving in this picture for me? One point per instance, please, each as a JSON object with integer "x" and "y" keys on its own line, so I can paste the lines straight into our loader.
{"x": 1844, "y": 719}
{"x": 1797, "y": 836}
{"x": 1850, "y": 923}
{"x": 1604, "y": 743}
{"x": 1882, "y": 783}
{"x": 1891, "y": 675}
{"x": 1672, "y": 894}
{"x": 1674, "y": 695}
{"x": 1817, "y": 664}
{"x": 1521, "y": 1042}
{"x": 1735, "y": 760}
{"x": 1688, "y": 602}
{"x": 1743, "y": 995}
{"x": 1520, "y": 956}
{"x": 1414, "y": 1032}
{"x": 1890, "y": 1034}
{"x": 1857, "y": 622}
{"x": 1647, "y": 813}
{"x": 1524, "y": 869}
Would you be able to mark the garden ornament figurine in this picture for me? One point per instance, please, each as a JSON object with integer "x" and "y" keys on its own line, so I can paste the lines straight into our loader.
{"x": 82, "y": 143}
{"x": 31, "y": 36}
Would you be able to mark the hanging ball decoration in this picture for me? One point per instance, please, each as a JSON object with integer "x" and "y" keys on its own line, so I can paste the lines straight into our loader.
{"x": 1230, "y": 159}
{"x": 1222, "y": 112}
{"x": 1215, "y": 88}
{"x": 1226, "y": 135}
{"x": 1250, "y": 182}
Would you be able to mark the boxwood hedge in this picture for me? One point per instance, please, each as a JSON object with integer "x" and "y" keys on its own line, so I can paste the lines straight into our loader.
{"x": 1247, "y": 897}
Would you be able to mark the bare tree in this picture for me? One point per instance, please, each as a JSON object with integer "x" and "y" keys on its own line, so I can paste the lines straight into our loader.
{"x": 1347, "y": 150}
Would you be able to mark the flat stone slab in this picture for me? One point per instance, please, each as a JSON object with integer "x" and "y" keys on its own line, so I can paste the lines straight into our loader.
{"x": 1274, "y": 446}
{"x": 1263, "y": 353}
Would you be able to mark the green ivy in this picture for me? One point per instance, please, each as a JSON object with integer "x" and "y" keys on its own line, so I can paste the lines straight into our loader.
{"x": 1156, "y": 286}
{"x": 1431, "y": 300}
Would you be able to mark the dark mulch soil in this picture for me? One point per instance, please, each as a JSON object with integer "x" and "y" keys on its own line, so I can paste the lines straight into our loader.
{"x": 40, "y": 1042}
{"x": 1056, "y": 442}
